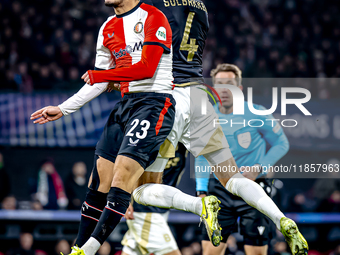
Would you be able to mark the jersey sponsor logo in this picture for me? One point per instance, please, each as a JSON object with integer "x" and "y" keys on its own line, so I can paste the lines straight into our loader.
{"x": 128, "y": 50}
{"x": 138, "y": 28}
{"x": 132, "y": 142}
{"x": 110, "y": 35}
{"x": 244, "y": 139}
{"x": 261, "y": 229}
{"x": 161, "y": 34}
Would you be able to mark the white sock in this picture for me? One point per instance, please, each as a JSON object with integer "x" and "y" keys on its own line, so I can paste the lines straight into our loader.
{"x": 165, "y": 196}
{"x": 254, "y": 195}
{"x": 91, "y": 246}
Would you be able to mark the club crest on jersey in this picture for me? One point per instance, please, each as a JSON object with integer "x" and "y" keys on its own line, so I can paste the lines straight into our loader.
{"x": 244, "y": 139}
{"x": 138, "y": 27}
{"x": 161, "y": 34}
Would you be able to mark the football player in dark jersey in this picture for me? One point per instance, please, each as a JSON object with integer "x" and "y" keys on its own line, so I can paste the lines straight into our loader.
{"x": 189, "y": 22}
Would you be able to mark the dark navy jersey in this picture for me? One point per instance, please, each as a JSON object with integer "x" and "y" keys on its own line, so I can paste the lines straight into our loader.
{"x": 189, "y": 23}
{"x": 171, "y": 176}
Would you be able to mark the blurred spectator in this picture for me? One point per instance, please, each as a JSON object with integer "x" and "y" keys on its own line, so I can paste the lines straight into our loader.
{"x": 4, "y": 180}
{"x": 336, "y": 251}
{"x": 76, "y": 186}
{"x": 297, "y": 203}
{"x": 327, "y": 190}
{"x": 26, "y": 243}
{"x": 280, "y": 248}
{"x": 50, "y": 188}
{"x": 62, "y": 246}
{"x": 196, "y": 247}
{"x": 265, "y": 38}
{"x": 187, "y": 251}
{"x": 9, "y": 203}
{"x": 105, "y": 249}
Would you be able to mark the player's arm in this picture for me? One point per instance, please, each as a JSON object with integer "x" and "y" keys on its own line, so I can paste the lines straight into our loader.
{"x": 144, "y": 69}
{"x": 158, "y": 40}
{"x": 273, "y": 134}
{"x": 84, "y": 95}
{"x": 202, "y": 175}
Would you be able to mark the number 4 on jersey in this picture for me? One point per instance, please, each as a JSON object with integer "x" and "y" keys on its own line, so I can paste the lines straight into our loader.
{"x": 191, "y": 47}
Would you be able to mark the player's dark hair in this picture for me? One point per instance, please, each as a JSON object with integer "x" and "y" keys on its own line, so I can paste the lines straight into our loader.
{"x": 227, "y": 68}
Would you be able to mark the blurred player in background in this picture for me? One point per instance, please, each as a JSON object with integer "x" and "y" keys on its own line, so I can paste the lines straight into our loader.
{"x": 248, "y": 146}
{"x": 149, "y": 232}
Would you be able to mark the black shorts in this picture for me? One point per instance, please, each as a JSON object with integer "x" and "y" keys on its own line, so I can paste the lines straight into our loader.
{"x": 137, "y": 127}
{"x": 256, "y": 228}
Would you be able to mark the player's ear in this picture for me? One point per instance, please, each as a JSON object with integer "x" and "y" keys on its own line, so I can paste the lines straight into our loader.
{"x": 240, "y": 87}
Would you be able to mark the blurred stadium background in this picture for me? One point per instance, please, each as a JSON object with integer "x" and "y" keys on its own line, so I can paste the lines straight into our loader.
{"x": 45, "y": 46}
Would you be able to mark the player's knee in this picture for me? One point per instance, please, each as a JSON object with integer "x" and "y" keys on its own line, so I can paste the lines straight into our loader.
{"x": 138, "y": 194}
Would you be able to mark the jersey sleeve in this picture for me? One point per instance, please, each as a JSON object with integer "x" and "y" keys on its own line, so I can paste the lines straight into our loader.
{"x": 273, "y": 134}
{"x": 158, "y": 31}
{"x": 104, "y": 59}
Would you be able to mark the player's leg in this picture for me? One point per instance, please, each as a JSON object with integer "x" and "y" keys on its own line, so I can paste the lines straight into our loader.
{"x": 151, "y": 193}
{"x": 254, "y": 195}
{"x": 226, "y": 218}
{"x": 256, "y": 250}
{"x": 101, "y": 177}
{"x": 149, "y": 233}
{"x": 209, "y": 249}
{"x": 146, "y": 119}
{"x": 126, "y": 173}
{"x": 95, "y": 200}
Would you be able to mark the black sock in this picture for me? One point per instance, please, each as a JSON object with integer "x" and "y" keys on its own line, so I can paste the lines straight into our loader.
{"x": 117, "y": 203}
{"x": 91, "y": 210}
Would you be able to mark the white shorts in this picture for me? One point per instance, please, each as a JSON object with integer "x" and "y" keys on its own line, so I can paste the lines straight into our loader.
{"x": 149, "y": 233}
{"x": 194, "y": 126}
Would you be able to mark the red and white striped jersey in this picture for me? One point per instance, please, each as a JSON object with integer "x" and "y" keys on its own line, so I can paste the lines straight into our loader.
{"x": 120, "y": 43}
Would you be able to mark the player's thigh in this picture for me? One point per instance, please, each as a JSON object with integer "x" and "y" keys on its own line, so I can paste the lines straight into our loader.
{"x": 102, "y": 174}
{"x": 126, "y": 173}
{"x": 203, "y": 134}
{"x": 209, "y": 249}
{"x": 227, "y": 217}
{"x": 112, "y": 136}
{"x": 256, "y": 250}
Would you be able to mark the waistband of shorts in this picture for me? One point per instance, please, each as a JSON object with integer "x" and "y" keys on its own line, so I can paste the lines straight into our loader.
{"x": 147, "y": 94}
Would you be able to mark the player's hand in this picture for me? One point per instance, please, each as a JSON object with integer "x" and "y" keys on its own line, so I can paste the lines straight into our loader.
{"x": 202, "y": 195}
{"x": 250, "y": 172}
{"x": 86, "y": 78}
{"x": 46, "y": 114}
{"x": 113, "y": 86}
{"x": 129, "y": 213}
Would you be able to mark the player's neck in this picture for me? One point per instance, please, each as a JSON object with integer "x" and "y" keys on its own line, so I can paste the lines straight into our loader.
{"x": 225, "y": 110}
{"x": 125, "y": 6}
